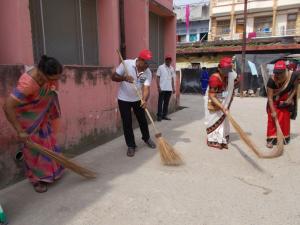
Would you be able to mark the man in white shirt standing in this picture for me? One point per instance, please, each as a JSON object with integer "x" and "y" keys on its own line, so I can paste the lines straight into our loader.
{"x": 165, "y": 83}
{"x": 141, "y": 76}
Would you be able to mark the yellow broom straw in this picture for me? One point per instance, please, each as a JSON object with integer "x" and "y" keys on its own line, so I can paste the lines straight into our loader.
{"x": 62, "y": 160}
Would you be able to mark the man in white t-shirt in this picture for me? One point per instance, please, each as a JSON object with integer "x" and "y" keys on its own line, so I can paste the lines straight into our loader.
{"x": 141, "y": 76}
{"x": 165, "y": 83}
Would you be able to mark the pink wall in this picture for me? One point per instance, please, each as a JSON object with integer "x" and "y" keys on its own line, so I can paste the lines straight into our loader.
{"x": 90, "y": 114}
{"x": 136, "y": 26}
{"x": 15, "y": 32}
{"x": 87, "y": 95}
{"x": 166, "y": 3}
{"x": 170, "y": 37}
{"x": 109, "y": 32}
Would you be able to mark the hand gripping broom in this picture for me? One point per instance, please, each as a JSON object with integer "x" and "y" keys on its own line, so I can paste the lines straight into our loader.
{"x": 168, "y": 154}
{"x": 244, "y": 136}
{"x": 62, "y": 160}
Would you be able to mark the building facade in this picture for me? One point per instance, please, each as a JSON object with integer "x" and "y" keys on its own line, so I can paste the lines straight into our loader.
{"x": 84, "y": 35}
{"x": 266, "y": 18}
{"x": 198, "y": 25}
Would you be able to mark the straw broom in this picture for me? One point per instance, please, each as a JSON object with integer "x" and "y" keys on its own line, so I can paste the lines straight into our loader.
{"x": 168, "y": 154}
{"x": 62, "y": 160}
{"x": 244, "y": 136}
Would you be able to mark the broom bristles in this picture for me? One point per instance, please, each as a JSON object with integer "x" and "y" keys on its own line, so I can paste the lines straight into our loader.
{"x": 273, "y": 154}
{"x": 62, "y": 160}
{"x": 169, "y": 156}
{"x": 243, "y": 135}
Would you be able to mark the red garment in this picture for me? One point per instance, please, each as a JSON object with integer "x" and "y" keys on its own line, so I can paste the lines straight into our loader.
{"x": 215, "y": 83}
{"x": 283, "y": 115}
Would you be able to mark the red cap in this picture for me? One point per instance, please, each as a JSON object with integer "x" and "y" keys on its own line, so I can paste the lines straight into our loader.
{"x": 225, "y": 63}
{"x": 168, "y": 57}
{"x": 280, "y": 65}
{"x": 145, "y": 54}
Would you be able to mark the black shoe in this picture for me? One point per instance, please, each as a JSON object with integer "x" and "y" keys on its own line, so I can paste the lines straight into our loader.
{"x": 150, "y": 143}
{"x": 130, "y": 151}
{"x": 166, "y": 118}
{"x": 158, "y": 118}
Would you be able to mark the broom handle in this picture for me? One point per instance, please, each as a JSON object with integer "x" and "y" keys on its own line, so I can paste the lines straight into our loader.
{"x": 138, "y": 93}
{"x": 215, "y": 101}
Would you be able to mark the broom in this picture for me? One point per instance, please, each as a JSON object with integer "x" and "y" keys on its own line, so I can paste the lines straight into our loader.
{"x": 168, "y": 154}
{"x": 244, "y": 136}
{"x": 62, "y": 160}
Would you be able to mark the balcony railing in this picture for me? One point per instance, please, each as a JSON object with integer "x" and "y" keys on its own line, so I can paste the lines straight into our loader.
{"x": 238, "y": 36}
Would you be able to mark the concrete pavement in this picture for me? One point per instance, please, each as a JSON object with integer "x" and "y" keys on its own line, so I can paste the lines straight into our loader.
{"x": 230, "y": 187}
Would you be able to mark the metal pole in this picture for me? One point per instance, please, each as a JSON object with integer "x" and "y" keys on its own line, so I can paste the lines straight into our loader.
{"x": 244, "y": 49}
{"x": 122, "y": 28}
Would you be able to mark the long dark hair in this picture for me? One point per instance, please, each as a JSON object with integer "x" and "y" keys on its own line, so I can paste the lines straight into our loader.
{"x": 49, "y": 66}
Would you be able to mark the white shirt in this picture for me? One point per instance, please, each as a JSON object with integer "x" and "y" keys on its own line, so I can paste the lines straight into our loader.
{"x": 127, "y": 91}
{"x": 165, "y": 74}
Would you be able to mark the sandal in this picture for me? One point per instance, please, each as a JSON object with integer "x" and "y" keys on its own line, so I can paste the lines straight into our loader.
{"x": 40, "y": 187}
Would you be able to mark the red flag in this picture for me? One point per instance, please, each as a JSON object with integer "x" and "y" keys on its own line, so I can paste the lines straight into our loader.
{"x": 187, "y": 17}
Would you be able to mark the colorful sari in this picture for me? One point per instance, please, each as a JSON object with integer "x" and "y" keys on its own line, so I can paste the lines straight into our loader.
{"x": 217, "y": 125}
{"x": 38, "y": 112}
{"x": 284, "y": 112}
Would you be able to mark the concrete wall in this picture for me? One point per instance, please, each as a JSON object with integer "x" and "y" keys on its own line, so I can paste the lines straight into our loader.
{"x": 136, "y": 27}
{"x": 109, "y": 32}
{"x": 15, "y": 32}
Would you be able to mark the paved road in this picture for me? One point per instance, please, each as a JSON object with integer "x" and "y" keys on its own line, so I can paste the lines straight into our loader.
{"x": 230, "y": 187}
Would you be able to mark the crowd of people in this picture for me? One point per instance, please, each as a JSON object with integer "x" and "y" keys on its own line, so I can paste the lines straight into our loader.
{"x": 34, "y": 112}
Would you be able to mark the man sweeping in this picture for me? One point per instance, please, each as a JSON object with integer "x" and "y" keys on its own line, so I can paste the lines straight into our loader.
{"x": 165, "y": 84}
{"x": 141, "y": 76}
{"x": 221, "y": 86}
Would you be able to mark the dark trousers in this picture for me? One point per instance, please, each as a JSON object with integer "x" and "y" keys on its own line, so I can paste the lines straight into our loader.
{"x": 163, "y": 103}
{"x": 125, "y": 111}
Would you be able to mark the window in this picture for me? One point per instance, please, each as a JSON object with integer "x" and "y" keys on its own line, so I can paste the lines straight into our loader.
{"x": 156, "y": 39}
{"x": 263, "y": 26}
{"x": 193, "y": 37}
{"x": 182, "y": 38}
{"x": 239, "y": 26}
{"x": 66, "y": 30}
{"x": 223, "y": 27}
{"x": 291, "y": 24}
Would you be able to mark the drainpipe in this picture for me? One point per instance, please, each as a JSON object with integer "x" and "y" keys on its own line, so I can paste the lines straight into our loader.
{"x": 244, "y": 47}
{"x": 122, "y": 28}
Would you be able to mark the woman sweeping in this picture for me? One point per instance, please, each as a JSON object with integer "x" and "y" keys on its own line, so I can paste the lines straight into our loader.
{"x": 33, "y": 110}
{"x": 282, "y": 91}
{"x": 221, "y": 87}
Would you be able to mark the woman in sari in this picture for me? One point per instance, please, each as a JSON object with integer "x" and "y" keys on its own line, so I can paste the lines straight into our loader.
{"x": 33, "y": 110}
{"x": 221, "y": 86}
{"x": 282, "y": 101}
